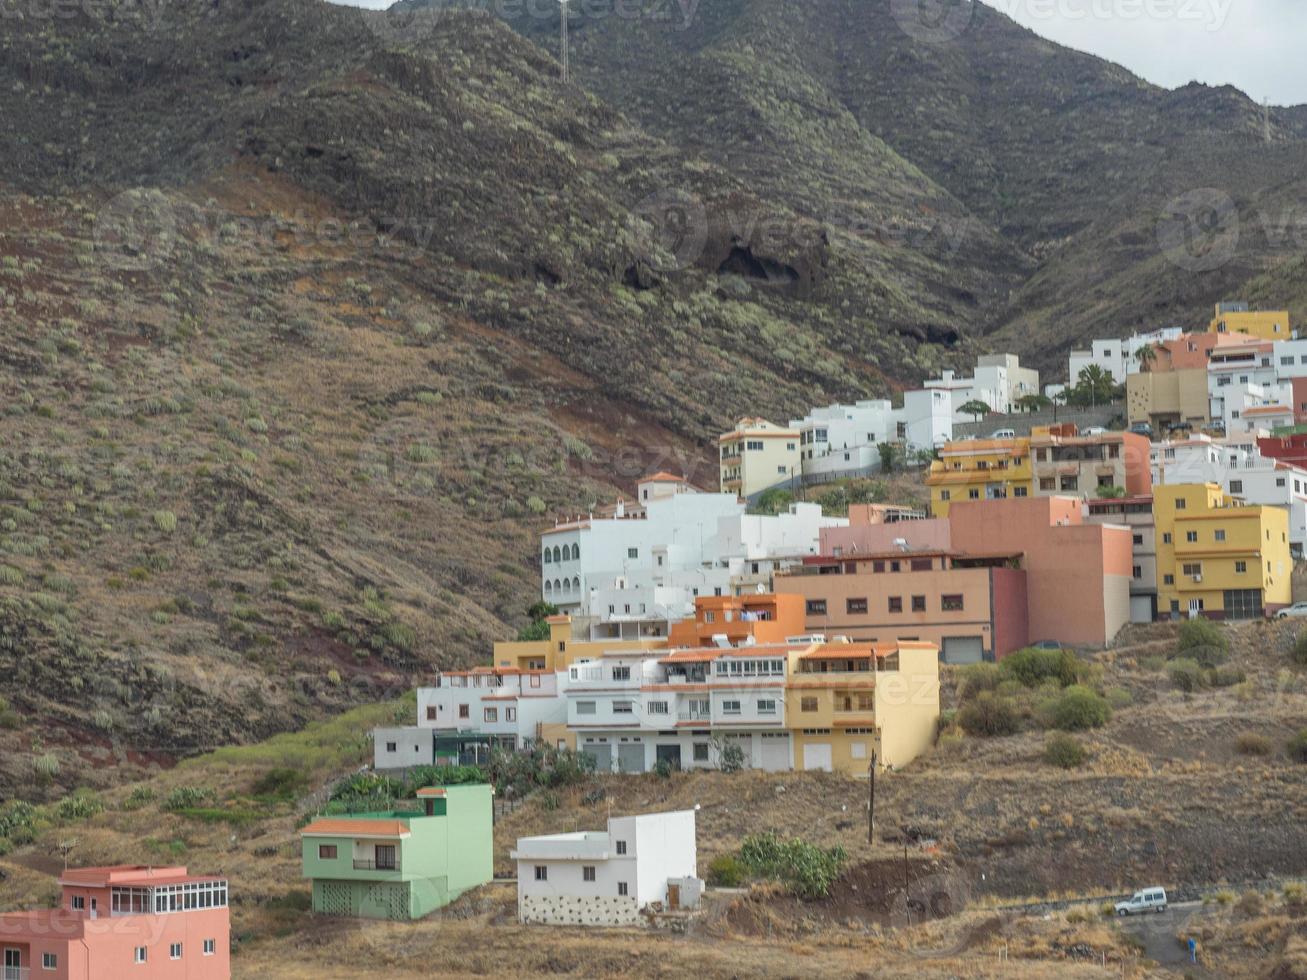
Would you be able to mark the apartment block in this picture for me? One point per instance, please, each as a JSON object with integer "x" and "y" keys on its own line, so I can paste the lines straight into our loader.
{"x": 1236, "y": 317}
{"x": 401, "y": 864}
{"x": 979, "y": 469}
{"x": 1135, "y": 513}
{"x": 123, "y": 921}
{"x": 757, "y": 455}
{"x": 1066, "y": 463}
{"x": 843, "y": 440}
{"x": 999, "y": 381}
{"x": 1218, "y": 557}
{"x": 1174, "y": 388}
{"x": 1119, "y": 358}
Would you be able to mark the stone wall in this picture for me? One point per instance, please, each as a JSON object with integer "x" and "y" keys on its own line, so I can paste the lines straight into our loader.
{"x": 568, "y": 910}
{"x": 1023, "y": 422}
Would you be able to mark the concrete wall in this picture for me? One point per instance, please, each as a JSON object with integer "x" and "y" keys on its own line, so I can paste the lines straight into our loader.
{"x": 413, "y": 747}
{"x": 1024, "y": 422}
{"x": 870, "y": 539}
{"x": 907, "y": 706}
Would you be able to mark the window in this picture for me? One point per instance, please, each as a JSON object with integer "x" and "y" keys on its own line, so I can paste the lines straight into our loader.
{"x": 945, "y": 495}
{"x": 464, "y": 711}
{"x": 920, "y": 564}
{"x": 1168, "y": 580}
{"x": 918, "y": 603}
{"x": 621, "y": 848}
{"x": 326, "y": 852}
{"x": 1138, "y": 540}
{"x": 140, "y": 954}
{"x": 510, "y": 714}
{"x": 210, "y": 947}
{"x": 1070, "y": 482}
{"x": 431, "y": 712}
{"x": 1191, "y": 568}
{"x": 542, "y": 872}
{"x": 632, "y": 552}
{"x": 1047, "y": 483}
{"x": 588, "y": 872}
{"x": 79, "y": 902}
{"x": 951, "y": 603}
{"x": 585, "y": 707}
{"x": 1137, "y": 571}
{"x": 700, "y": 751}
{"x": 896, "y": 603}
{"x": 767, "y": 706}
{"x": 621, "y": 673}
{"x": 623, "y": 708}
{"x": 1166, "y": 538}
{"x": 856, "y": 606}
{"x": 621, "y": 888}
{"x": 808, "y": 704}
{"x": 973, "y": 494}
{"x": 1191, "y": 536}
{"x": 391, "y": 747}
{"x": 1220, "y": 535}
{"x": 1179, "y": 503}
{"x": 175, "y": 951}
{"x": 1016, "y": 492}
{"x": 491, "y": 714}
{"x": 1236, "y": 486}
{"x": 657, "y": 707}
{"x": 49, "y": 961}
{"x": 816, "y": 607}
{"x": 730, "y": 707}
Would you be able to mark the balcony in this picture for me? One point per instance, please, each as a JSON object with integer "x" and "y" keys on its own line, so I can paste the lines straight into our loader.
{"x": 371, "y": 864}
{"x": 16, "y": 973}
{"x": 694, "y": 714}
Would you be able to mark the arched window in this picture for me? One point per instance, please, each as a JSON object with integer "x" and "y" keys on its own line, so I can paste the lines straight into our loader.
{"x": 576, "y": 551}
{"x": 576, "y": 583}
{"x": 548, "y": 587}
{"x": 557, "y": 554}
{"x": 558, "y": 586}
{"x": 548, "y": 557}
{"x": 567, "y": 586}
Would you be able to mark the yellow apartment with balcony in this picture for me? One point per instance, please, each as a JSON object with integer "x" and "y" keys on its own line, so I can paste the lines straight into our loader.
{"x": 979, "y": 469}
{"x": 560, "y": 651}
{"x": 757, "y": 455}
{"x": 846, "y": 702}
{"x": 1237, "y": 318}
{"x": 1217, "y": 557}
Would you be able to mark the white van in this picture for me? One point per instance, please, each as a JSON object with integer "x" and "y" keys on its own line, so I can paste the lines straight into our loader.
{"x": 1004, "y": 434}
{"x": 1148, "y": 900}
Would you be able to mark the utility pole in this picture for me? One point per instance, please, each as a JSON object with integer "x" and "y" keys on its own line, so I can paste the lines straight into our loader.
{"x": 871, "y": 803}
{"x": 562, "y": 16}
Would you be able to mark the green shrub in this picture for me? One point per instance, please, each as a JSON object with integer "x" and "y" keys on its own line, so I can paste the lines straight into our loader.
{"x": 79, "y": 806}
{"x": 976, "y": 678}
{"x": 10, "y": 575}
{"x": 726, "y": 871}
{"x": 807, "y": 870}
{"x": 187, "y": 798}
{"x": 1032, "y": 667}
{"x": 165, "y": 521}
{"x": 1299, "y": 652}
{"x": 663, "y": 769}
{"x": 46, "y": 766}
{"x": 1203, "y": 641}
{"x": 1250, "y": 743}
{"x": 730, "y": 755}
{"x": 1225, "y": 676}
{"x": 138, "y": 797}
{"x": 1119, "y": 697}
{"x": 8, "y": 716}
{"x": 1298, "y": 747}
{"x": 281, "y": 783}
{"x": 1079, "y": 708}
{"x": 1186, "y": 674}
{"x": 989, "y": 715}
{"x": 1064, "y": 751}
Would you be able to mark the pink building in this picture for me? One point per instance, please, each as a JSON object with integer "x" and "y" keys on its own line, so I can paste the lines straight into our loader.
{"x": 124, "y": 921}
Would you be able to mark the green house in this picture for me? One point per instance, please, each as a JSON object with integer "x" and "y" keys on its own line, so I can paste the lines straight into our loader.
{"x": 401, "y": 864}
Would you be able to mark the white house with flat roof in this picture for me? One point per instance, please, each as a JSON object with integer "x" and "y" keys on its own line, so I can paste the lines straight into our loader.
{"x": 608, "y": 877}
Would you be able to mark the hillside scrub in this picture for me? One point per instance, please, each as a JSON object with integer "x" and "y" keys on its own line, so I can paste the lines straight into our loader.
{"x": 1203, "y": 641}
{"x": 1299, "y": 652}
{"x": 1064, "y": 751}
{"x": 989, "y": 714}
{"x": 804, "y": 868}
{"x": 1079, "y": 708}
{"x": 1297, "y": 747}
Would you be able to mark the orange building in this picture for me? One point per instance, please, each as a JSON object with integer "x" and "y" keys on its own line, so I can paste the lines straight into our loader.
{"x": 762, "y": 618}
{"x": 1079, "y": 574}
{"x": 125, "y": 921}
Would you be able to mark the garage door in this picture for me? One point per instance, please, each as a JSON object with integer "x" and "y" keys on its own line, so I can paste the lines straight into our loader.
{"x": 775, "y": 752}
{"x": 602, "y": 755}
{"x": 817, "y": 756}
{"x": 630, "y": 758}
{"x": 963, "y": 650}
{"x": 1141, "y": 609}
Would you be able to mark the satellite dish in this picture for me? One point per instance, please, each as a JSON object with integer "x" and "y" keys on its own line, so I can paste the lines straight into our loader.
{"x": 761, "y": 588}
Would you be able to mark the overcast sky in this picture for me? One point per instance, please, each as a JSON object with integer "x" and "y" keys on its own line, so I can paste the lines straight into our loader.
{"x": 1255, "y": 45}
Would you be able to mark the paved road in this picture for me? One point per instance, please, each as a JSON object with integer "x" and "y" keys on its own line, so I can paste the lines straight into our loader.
{"x": 1163, "y": 935}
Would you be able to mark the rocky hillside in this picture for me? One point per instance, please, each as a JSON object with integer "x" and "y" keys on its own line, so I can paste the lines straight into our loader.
{"x": 309, "y": 317}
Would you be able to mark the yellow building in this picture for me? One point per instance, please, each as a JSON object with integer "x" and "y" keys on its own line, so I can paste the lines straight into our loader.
{"x": 1217, "y": 557}
{"x": 1167, "y": 398}
{"x": 1237, "y": 318}
{"x": 845, "y": 704}
{"x": 757, "y": 455}
{"x": 560, "y": 651}
{"x": 979, "y": 469}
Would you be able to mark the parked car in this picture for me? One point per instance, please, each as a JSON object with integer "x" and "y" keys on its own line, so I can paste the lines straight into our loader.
{"x": 1148, "y": 900}
{"x": 1095, "y": 430}
{"x": 1297, "y": 611}
{"x": 1142, "y": 429}
{"x": 1046, "y": 645}
{"x": 1003, "y": 434}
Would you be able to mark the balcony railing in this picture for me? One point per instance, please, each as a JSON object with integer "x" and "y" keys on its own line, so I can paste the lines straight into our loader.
{"x": 16, "y": 973}
{"x": 695, "y": 714}
{"x": 365, "y": 864}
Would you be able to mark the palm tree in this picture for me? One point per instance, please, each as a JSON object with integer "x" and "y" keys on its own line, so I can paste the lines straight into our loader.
{"x": 975, "y": 408}
{"x": 1094, "y": 385}
{"x": 1033, "y": 403}
{"x": 1147, "y": 357}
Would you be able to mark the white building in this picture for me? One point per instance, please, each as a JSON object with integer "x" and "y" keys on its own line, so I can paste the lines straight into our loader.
{"x": 1119, "y": 358}
{"x": 606, "y": 878}
{"x": 999, "y": 381}
{"x": 1235, "y": 464}
{"x": 926, "y": 419}
{"x": 842, "y": 440}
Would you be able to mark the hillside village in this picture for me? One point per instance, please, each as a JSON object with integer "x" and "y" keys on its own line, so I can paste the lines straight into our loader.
{"x": 685, "y": 631}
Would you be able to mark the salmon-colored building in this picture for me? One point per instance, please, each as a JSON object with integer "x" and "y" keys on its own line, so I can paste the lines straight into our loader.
{"x": 751, "y": 618}
{"x": 1079, "y": 574}
{"x": 123, "y": 921}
